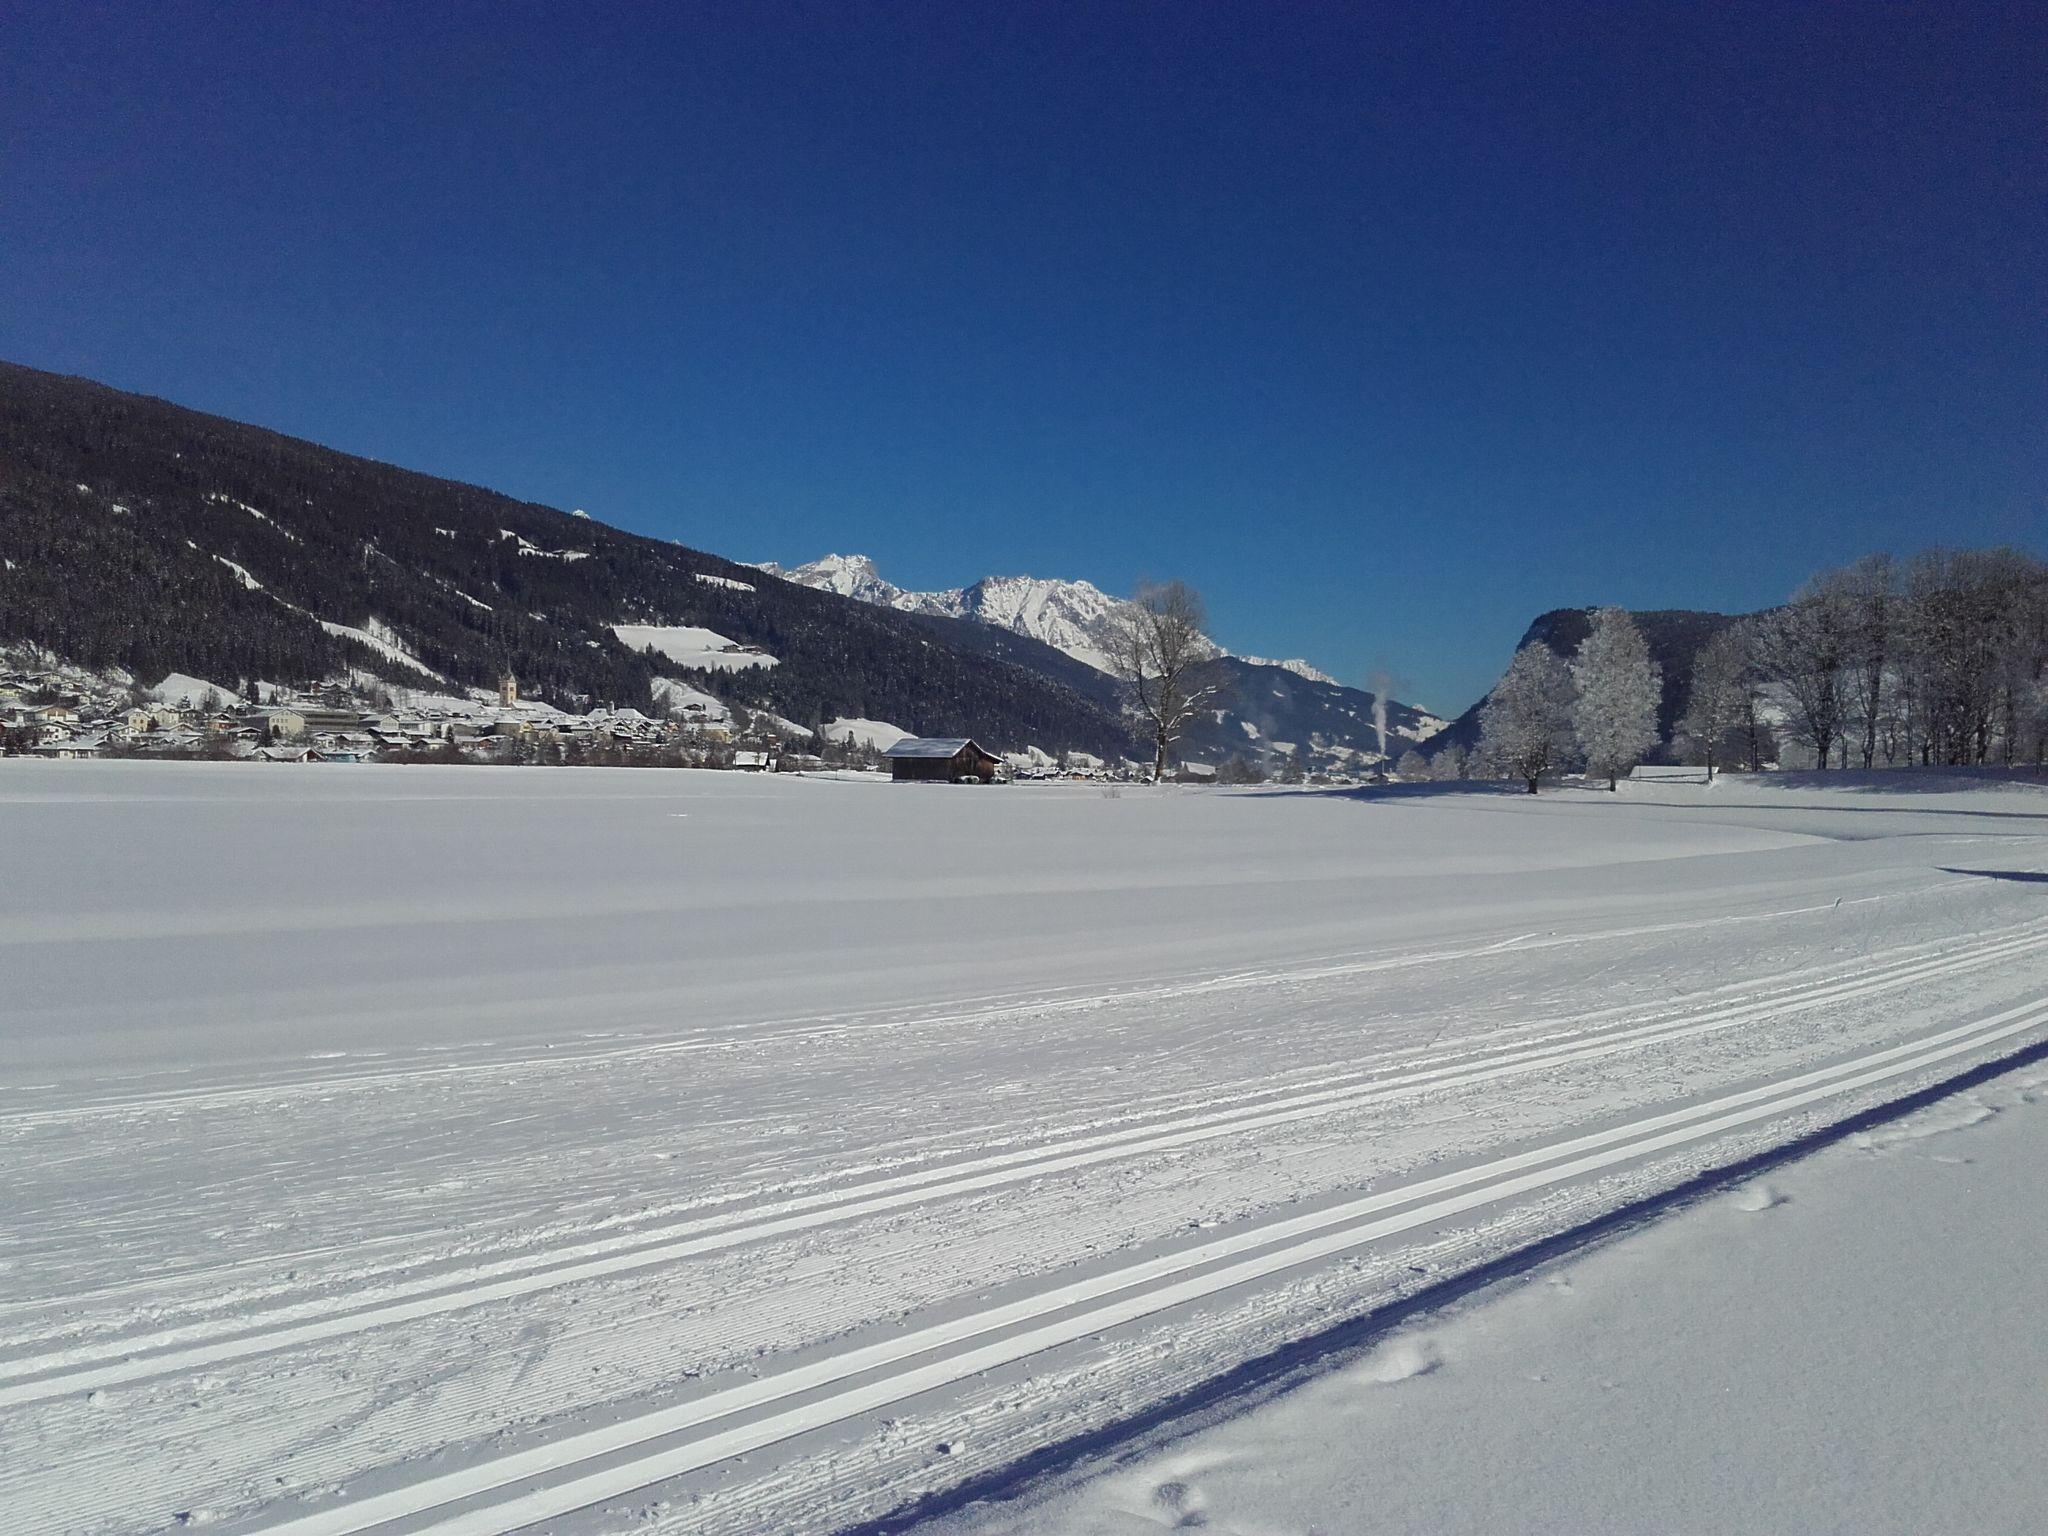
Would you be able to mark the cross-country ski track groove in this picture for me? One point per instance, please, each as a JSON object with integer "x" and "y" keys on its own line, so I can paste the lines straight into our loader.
{"x": 511, "y": 1491}
{"x": 108, "y": 1362}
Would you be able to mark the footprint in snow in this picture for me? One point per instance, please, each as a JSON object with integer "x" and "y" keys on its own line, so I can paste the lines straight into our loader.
{"x": 1182, "y": 1504}
{"x": 1760, "y": 1197}
{"x": 1401, "y": 1360}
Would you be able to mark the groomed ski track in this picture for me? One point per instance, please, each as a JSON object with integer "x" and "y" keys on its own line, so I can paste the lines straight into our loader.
{"x": 501, "y": 1496}
{"x": 87, "y": 1367}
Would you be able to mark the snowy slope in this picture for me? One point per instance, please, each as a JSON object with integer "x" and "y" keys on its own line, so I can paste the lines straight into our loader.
{"x": 689, "y": 645}
{"x": 709, "y": 1153}
{"x": 1848, "y": 1344}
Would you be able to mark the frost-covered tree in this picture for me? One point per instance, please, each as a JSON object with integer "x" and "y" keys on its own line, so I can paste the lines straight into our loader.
{"x": 1526, "y": 728}
{"x": 1724, "y": 701}
{"x": 1450, "y": 765}
{"x": 1158, "y": 648}
{"x": 1615, "y": 713}
{"x": 1413, "y": 765}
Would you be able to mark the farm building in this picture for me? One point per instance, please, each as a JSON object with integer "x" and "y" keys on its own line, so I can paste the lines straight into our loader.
{"x": 941, "y": 760}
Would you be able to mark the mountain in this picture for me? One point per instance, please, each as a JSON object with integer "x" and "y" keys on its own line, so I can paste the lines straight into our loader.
{"x": 1270, "y": 709}
{"x": 138, "y": 534}
{"x": 1674, "y": 635}
{"x": 1071, "y": 616}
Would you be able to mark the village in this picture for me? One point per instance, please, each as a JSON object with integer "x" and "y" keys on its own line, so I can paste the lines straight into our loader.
{"x": 53, "y": 711}
{"x": 58, "y": 712}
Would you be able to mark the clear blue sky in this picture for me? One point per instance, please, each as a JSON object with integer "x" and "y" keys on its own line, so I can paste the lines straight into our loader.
{"x": 1387, "y": 327}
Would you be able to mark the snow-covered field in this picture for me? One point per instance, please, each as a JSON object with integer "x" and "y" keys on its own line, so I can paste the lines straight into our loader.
{"x": 468, "y": 1149}
{"x": 1852, "y": 1343}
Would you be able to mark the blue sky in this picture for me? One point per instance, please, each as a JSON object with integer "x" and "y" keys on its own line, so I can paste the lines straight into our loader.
{"x": 1387, "y": 327}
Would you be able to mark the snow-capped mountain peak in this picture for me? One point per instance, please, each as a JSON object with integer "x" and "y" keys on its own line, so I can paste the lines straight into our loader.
{"x": 1072, "y": 616}
{"x": 1295, "y": 665}
{"x": 1326, "y": 722}
{"x": 853, "y": 576}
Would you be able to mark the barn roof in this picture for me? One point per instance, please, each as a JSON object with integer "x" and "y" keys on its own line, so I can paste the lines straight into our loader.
{"x": 931, "y": 746}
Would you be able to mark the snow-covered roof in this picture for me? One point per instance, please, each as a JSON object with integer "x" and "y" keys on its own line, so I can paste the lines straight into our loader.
{"x": 930, "y": 746}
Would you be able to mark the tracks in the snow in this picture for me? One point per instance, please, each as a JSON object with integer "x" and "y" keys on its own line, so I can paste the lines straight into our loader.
{"x": 208, "y": 1343}
{"x": 516, "y": 1489}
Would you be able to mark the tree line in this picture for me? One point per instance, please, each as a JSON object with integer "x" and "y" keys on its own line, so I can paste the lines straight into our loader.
{"x": 1936, "y": 661}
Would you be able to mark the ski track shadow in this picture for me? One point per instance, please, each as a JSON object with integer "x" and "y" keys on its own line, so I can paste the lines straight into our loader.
{"x": 1257, "y": 1381}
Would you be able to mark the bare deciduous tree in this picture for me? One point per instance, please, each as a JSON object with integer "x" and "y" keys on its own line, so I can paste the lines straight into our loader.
{"x": 1868, "y": 593}
{"x": 1158, "y": 647}
{"x": 1804, "y": 649}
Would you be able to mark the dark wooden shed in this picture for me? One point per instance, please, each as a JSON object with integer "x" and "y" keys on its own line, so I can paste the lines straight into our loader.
{"x": 941, "y": 760}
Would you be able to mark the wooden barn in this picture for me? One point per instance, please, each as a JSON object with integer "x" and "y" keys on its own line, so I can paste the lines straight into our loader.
{"x": 941, "y": 760}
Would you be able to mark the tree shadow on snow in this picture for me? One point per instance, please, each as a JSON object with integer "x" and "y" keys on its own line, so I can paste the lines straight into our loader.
{"x": 1394, "y": 793}
{"x": 2027, "y": 876}
{"x": 1897, "y": 781}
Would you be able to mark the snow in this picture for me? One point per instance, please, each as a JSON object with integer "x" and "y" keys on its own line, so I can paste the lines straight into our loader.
{"x": 724, "y": 581}
{"x": 1851, "y": 1345}
{"x": 241, "y": 574}
{"x": 1076, "y": 617}
{"x": 789, "y": 730}
{"x": 1297, "y": 666}
{"x": 691, "y": 646}
{"x": 261, "y": 517}
{"x": 185, "y": 692}
{"x": 382, "y": 639}
{"x": 678, "y": 696}
{"x": 878, "y": 734}
{"x": 685, "y": 1151}
{"x": 525, "y": 546}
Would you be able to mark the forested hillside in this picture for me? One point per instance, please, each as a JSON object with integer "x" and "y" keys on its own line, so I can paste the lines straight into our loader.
{"x": 139, "y": 534}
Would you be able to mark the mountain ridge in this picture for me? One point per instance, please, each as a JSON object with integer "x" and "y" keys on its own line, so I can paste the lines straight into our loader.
{"x": 1069, "y": 614}
{"x": 1303, "y": 712}
{"x": 143, "y": 534}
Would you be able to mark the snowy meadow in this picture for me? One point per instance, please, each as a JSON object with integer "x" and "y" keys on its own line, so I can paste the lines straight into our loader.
{"x": 448, "y": 1149}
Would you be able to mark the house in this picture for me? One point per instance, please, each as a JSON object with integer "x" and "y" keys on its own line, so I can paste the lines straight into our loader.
{"x": 284, "y": 724}
{"x": 285, "y": 754}
{"x": 941, "y": 760}
{"x": 750, "y": 760}
{"x": 324, "y": 719}
{"x": 72, "y": 747}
